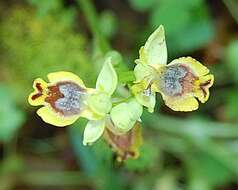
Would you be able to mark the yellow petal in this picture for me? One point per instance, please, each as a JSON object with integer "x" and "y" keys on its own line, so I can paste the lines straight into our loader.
{"x": 53, "y": 118}
{"x": 193, "y": 64}
{"x": 65, "y": 76}
{"x": 143, "y": 71}
{"x": 181, "y": 103}
{"x": 37, "y": 97}
{"x": 202, "y": 91}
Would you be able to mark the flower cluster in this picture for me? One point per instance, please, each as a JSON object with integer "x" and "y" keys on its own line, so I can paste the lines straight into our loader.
{"x": 65, "y": 98}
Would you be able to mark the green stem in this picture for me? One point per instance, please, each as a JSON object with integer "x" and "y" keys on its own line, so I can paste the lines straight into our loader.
{"x": 91, "y": 16}
{"x": 232, "y": 6}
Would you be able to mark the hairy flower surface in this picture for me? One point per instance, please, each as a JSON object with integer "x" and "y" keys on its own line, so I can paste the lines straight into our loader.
{"x": 180, "y": 83}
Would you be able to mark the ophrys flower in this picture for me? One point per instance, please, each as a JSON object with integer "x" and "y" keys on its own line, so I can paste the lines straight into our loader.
{"x": 181, "y": 82}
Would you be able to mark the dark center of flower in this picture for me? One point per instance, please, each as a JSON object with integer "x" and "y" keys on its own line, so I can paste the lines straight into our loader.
{"x": 66, "y": 98}
{"x": 172, "y": 80}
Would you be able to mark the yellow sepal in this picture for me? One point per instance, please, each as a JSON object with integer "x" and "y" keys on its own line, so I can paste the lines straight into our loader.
{"x": 142, "y": 58}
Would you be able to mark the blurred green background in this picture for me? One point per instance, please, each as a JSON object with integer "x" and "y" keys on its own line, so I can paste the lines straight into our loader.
{"x": 194, "y": 151}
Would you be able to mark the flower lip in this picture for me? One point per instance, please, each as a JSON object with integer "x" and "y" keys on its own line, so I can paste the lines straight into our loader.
{"x": 39, "y": 91}
{"x": 204, "y": 86}
{"x": 66, "y": 98}
{"x": 177, "y": 80}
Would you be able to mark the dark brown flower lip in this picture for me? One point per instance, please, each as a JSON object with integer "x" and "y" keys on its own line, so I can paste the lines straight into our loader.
{"x": 186, "y": 82}
{"x": 39, "y": 91}
{"x": 53, "y": 95}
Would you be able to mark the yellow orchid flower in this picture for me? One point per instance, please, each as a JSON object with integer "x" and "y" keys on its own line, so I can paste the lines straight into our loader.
{"x": 63, "y": 98}
{"x": 180, "y": 82}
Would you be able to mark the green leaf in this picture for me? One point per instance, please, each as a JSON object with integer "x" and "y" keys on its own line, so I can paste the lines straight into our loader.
{"x": 11, "y": 117}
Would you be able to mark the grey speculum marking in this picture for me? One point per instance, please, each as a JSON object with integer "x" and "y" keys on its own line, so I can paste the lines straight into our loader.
{"x": 171, "y": 80}
{"x": 72, "y": 102}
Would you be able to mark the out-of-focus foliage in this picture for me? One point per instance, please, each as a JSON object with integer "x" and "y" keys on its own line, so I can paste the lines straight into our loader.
{"x": 108, "y": 23}
{"x": 195, "y": 151}
{"x": 142, "y": 5}
{"x": 45, "y": 8}
{"x": 11, "y": 117}
{"x": 231, "y": 58}
{"x": 147, "y": 160}
{"x": 188, "y": 24}
{"x": 34, "y": 46}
